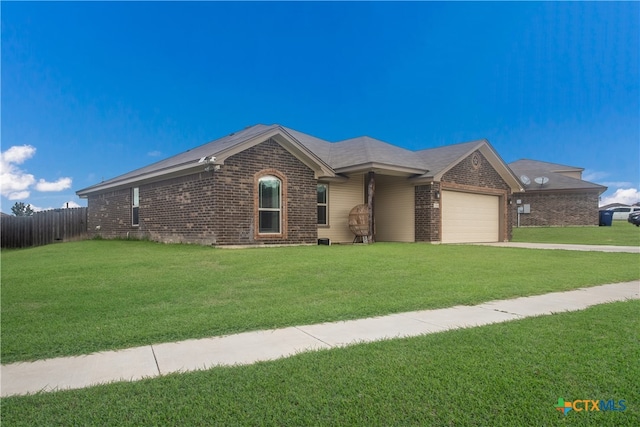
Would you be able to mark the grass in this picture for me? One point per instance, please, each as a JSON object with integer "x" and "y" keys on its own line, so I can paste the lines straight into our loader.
{"x": 621, "y": 233}
{"x": 82, "y": 297}
{"x": 509, "y": 374}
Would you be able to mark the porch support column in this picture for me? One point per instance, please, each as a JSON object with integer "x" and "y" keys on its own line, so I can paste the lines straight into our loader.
{"x": 371, "y": 189}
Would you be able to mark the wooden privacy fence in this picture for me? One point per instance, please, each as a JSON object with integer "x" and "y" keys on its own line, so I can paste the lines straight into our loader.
{"x": 42, "y": 228}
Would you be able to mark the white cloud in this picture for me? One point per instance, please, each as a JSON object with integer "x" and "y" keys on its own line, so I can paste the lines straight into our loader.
{"x": 627, "y": 196}
{"x": 594, "y": 176}
{"x": 154, "y": 153}
{"x": 18, "y": 154}
{"x": 15, "y": 183}
{"x": 617, "y": 184}
{"x": 71, "y": 204}
{"x": 59, "y": 185}
{"x": 16, "y": 195}
{"x": 39, "y": 209}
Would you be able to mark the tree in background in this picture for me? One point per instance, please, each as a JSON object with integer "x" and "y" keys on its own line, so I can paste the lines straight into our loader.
{"x": 20, "y": 209}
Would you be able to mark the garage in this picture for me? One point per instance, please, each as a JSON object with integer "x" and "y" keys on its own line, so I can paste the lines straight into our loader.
{"x": 470, "y": 217}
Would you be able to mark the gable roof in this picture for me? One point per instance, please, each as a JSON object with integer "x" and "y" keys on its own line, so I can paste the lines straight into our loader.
{"x": 195, "y": 154}
{"x": 361, "y": 153}
{"x": 320, "y": 147}
{"x": 441, "y": 159}
{"x": 327, "y": 159}
{"x": 556, "y": 174}
{"x": 218, "y": 151}
{"x": 366, "y": 153}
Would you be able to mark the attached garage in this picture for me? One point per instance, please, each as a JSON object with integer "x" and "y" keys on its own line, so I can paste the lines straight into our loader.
{"x": 454, "y": 193}
{"x": 470, "y": 217}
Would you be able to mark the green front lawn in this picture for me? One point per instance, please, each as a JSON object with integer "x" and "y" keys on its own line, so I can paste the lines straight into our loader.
{"x": 621, "y": 233}
{"x": 509, "y": 374}
{"x": 81, "y": 297}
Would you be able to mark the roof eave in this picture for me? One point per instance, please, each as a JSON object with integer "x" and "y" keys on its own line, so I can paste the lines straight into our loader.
{"x": 421, "y": 179}
{"x": 183, "y": 169}
{"x": 336, "y": 178}
{"x": 600, "y": 189}
{"x": 381, "y": 168}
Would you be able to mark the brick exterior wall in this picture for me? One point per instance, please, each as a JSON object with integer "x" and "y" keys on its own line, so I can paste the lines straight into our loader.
{"x": 482, "y": 175}
{"x": 473, "y": 174}
{"x": 557, "y": 209}
{"x": 214, "y": 207}
{"x": 109, "y": 214}
{"x": 427, "y": 220}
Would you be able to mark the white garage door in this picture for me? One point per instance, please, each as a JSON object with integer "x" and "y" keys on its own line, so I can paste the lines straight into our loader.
{"x": 468, "y": 217}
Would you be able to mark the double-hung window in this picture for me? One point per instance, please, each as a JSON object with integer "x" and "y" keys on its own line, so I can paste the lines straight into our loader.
{"x": 323, "y": 206}
{"x": 135, "y": 206}
{"x": 269, "y": 205}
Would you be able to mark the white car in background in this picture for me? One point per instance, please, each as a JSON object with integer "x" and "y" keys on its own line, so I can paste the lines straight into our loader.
{"x": 622, "y": 212}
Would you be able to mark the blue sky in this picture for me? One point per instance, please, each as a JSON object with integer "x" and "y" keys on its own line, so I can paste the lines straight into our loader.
{"x": 93, "y": 90}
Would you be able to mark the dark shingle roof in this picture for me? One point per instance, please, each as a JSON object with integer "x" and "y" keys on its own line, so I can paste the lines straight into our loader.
{"x": 528, "y": 164}
{"x": 351, "y": 153}
{"x": 365, "y": 150}
{"x": 192, "y": 155}
{"x": 357, "y": 151}
{"x": 438, "y": 159}
{"x": 319, "y": 147}
{"x": 557, "y": 180}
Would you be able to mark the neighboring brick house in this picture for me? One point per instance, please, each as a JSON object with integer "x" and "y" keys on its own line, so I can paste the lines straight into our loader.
{"x": 268, "y": 184}
{"x": 555, "y": 195}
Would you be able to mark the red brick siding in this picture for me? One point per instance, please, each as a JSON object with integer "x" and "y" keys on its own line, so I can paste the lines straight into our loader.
{"x": 213, "y": 207}
{"x": 559, "y": 209}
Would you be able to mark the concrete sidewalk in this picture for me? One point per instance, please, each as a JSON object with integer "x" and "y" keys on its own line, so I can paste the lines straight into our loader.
{"x": 250, "y": 347}
{"x": 566, "y": 247}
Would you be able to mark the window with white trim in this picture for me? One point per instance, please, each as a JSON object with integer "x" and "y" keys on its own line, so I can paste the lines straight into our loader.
{"x": 135, "y": 206}
{"x": 323, "y": 204}
{"x": 269, "y": 205}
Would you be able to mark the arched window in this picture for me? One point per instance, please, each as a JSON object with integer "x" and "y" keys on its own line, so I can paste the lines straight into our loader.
{"x": 269, "y": 205}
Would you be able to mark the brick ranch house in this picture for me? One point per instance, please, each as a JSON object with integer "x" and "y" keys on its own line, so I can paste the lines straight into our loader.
{"x": 564, "y": 200}
{"x": 268, "y": 184}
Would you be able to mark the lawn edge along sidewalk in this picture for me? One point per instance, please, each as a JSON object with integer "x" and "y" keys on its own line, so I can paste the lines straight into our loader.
{"x": 245, "y": 348}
